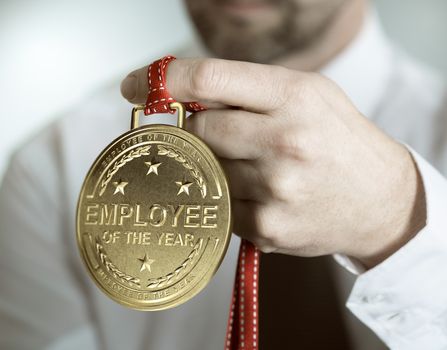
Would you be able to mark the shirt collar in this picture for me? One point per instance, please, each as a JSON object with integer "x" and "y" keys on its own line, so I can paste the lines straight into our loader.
{"x": 364, "y": 67}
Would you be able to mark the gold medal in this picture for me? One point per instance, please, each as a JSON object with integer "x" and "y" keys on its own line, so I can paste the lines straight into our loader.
{"x": 154, "y": 216}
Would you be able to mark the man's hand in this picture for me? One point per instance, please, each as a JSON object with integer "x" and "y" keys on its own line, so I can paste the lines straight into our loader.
{"x": 309, "y": 175}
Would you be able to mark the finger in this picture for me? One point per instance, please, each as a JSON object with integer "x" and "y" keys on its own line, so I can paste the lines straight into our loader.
{"x": 250, "y": 221}
{"x": 233, "y": 134}
{"x": 135, "y": 88}
{"x": 244, "y": 180}
{"x": 252, "y": 86}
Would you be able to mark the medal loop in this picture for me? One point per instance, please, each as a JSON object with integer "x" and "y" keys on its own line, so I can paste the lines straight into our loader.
{"x": 175, "y": 106}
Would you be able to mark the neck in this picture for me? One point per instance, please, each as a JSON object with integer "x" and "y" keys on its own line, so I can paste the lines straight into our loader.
{"x": 344, "y": 27}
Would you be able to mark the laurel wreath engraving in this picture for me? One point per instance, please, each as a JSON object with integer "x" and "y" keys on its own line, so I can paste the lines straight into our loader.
{"x": 118, "y": 274}
{"x": 187, "y": 163}
{"x": 136, "y": 153}
{"x": 172, "y": 276}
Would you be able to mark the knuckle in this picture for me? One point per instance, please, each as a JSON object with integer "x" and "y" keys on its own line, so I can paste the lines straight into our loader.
{"x": 289, "y": 143}
{"x": 281, "y": 185}
{"x": 268, "y": 236}
{"x": 205, "y": 77}
{"x": 261, "y": 177}
{"x": 297, "y": 144}
{"x": 261, "y": 222}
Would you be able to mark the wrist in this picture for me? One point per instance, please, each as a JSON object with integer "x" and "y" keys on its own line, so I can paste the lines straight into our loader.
{"x": 402, "y": 214}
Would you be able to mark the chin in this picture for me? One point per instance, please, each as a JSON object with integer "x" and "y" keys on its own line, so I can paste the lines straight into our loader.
{"x": 258, "y": 46}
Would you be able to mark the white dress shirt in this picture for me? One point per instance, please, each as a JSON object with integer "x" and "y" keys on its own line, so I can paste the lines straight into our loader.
{"x": 48, "y": 301}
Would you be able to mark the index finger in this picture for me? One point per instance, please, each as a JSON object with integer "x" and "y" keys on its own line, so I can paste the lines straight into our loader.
{"x": 251, "y": 86}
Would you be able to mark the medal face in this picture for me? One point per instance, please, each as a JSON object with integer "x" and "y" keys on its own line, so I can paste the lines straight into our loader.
{"x": 154, "y": 217}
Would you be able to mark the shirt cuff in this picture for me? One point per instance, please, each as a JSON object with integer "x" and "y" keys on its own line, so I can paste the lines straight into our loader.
{"x": 404, "y": 298}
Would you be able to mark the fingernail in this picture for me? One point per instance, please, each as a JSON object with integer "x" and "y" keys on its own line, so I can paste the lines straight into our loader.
{"x": 129, "y": 87}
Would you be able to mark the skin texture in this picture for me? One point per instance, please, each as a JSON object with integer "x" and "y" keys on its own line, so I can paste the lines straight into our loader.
{"x": 309, "y": 174}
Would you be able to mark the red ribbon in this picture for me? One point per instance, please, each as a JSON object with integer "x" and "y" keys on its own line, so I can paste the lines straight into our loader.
{"x": 158, "y": 97}
{"x": 242, "y": 329}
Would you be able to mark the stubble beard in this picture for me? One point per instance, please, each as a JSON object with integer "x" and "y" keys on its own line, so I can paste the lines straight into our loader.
{"x": 236, "y": 39}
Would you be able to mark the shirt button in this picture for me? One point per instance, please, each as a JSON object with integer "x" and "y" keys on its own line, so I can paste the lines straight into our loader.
{"x": 373, "y": 299}
{"x": 378, "y": 298}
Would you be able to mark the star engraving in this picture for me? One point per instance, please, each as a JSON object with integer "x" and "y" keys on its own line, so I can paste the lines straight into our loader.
{"x": 146, "y": 263}
{"x": 183, "y": 187}
{"x": 153, "y": 167}
{"x": 119, "y": 186}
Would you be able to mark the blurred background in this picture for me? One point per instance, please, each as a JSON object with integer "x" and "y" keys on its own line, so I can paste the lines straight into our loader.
{"x": 55, "y": 53}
